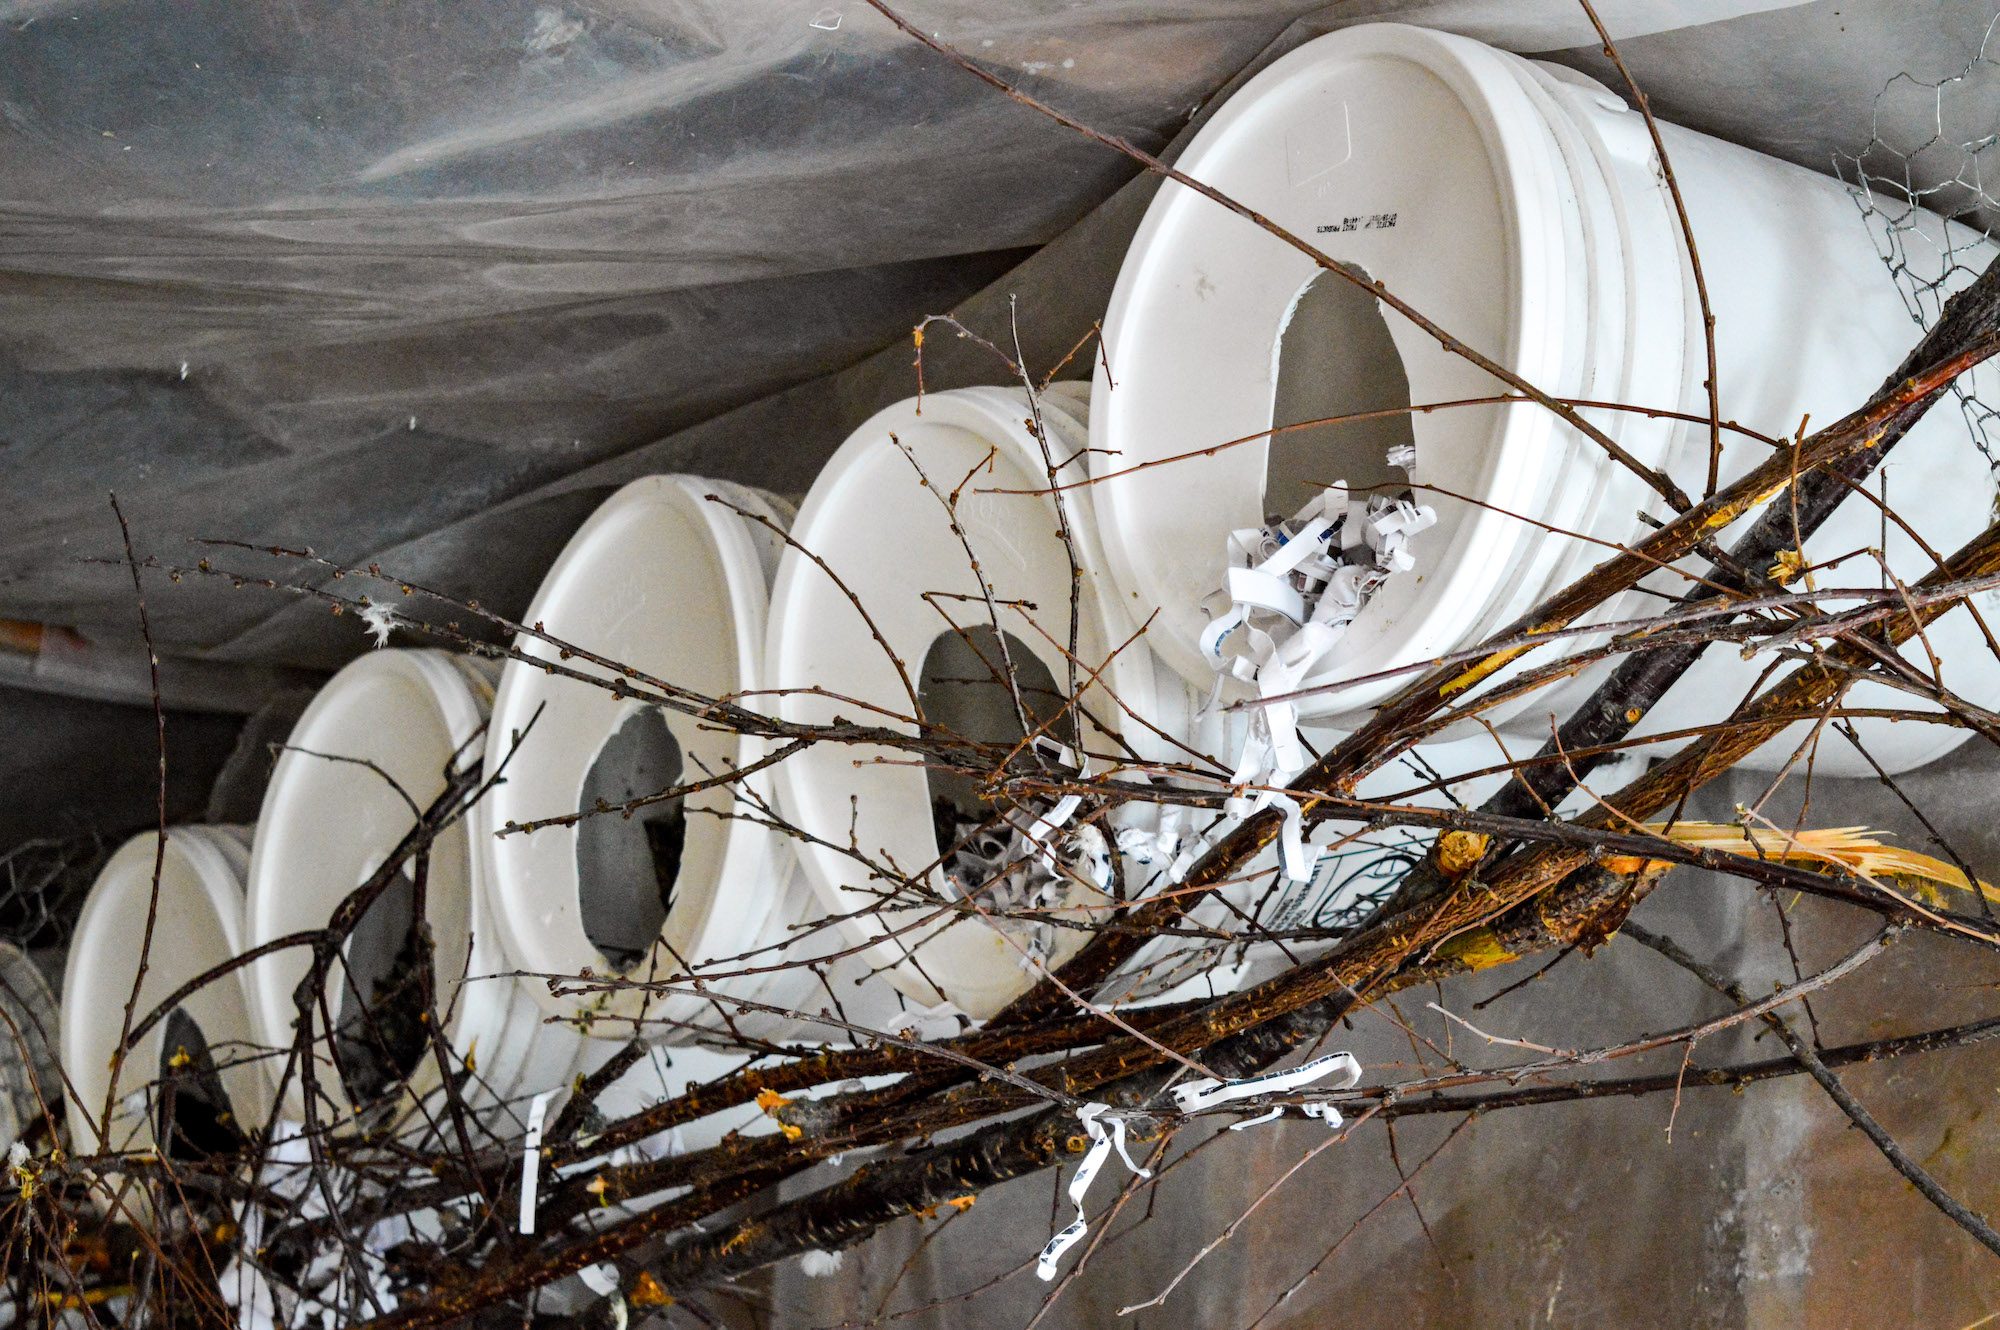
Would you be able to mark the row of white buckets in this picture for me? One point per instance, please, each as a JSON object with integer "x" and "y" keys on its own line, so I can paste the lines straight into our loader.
{"x": 1517, "y": 205}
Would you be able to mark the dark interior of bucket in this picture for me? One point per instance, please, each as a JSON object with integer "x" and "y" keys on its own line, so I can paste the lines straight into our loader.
{"x": 963, "y": 688}
{"x": 195, "y": 1118}
{"x": 380, "y": 1037}
{"x": 627, "y": 866}
{"x": 1336, "y": 358}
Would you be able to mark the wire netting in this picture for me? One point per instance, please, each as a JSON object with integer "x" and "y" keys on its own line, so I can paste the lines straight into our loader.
{"x": 1905, "y": 180}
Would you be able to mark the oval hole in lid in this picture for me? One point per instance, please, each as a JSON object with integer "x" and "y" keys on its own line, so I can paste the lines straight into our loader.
{"x": 963, "y": 689}
{"x": 195, "y": 1117}
{"x": 627, "y": 866}
{"x": 1335, "y": 357}
{"x": 380, "y": 1038}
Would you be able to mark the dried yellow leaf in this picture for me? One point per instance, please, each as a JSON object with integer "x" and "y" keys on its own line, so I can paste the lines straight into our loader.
{"x": 1790, "y": 564}
{"x": 1479, "y": 949}
{"x": 960, "y": 1203}
{"x": 771, "y": 1101}
{"x": 1459, "y": 852}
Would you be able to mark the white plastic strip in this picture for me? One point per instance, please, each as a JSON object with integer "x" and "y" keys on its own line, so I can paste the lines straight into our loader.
{"x": 1299, "y": 857}
{"x": 531, "y": 1158}
{"x": 1299, "y": 548}
{"x": 1207, "y": 1092}
{"x": 1275, "y": 1111}
{"x": 1043, "y": 828}
{"x": 1056, "y": 751}
{"x": 1212, "y": 636}
{"x": 1295, "y": 853}
{"x": 1102, "y": 1143}
{"x": 1197, "y": 844}
{"x": 1263, "y": 591}
{"x": 939, "y": 1022}
{"x": 1325, "y": 1112}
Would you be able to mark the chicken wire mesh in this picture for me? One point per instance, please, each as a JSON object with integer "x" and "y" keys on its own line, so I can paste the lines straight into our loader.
{"x": 1903, "y": 184}
{"x": 42, "y": 885}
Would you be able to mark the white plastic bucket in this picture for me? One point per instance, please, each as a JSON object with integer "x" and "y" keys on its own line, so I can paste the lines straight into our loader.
{"x": 667, "y": 582}
{"x": 883, "y": 530}
{"x": 1519, "y": 207}
{"x": 197, "y": 926}
{"x": 330, "y": 817}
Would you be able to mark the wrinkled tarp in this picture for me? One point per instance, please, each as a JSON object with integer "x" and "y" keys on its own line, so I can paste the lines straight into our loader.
{"x": 344, "y": 274}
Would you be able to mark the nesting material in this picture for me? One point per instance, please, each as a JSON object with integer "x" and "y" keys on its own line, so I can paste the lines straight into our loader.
{"x": 1289, "y": 593}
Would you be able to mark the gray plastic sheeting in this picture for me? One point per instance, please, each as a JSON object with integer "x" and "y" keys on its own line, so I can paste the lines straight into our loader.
{"x": 346, "y": 273}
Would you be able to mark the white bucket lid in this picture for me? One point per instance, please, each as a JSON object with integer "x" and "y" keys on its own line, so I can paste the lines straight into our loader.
{"x": 1430, "y": 163}
{"x": 669, "y": 583}
{"x": 196, "y": 927}
{"x": 888, "y": 538}
{"x": 328, "y": 822}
